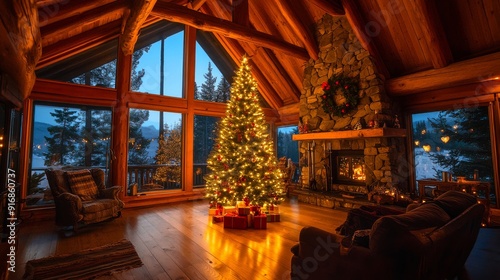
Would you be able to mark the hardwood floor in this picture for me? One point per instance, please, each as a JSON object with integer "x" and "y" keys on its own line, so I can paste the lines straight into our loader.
{"x": 179, "y": 241}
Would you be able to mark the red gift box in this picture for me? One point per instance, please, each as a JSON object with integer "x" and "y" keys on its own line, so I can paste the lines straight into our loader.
{"x": 243, "y": 211}
{"x": 235, "y": 221}
{"x": 217, "y": 219}
{"x": 260, "y": 221}
{"x": 271, "y": 217}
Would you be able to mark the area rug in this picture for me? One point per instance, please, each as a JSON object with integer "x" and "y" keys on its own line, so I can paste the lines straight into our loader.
{"x": 86, "y": 264}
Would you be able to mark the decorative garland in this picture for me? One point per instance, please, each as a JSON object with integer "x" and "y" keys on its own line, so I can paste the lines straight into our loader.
{"x": 348, "y": 86}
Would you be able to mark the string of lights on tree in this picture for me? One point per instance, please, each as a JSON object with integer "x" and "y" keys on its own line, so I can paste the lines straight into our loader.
{"x": 242, "y": 163}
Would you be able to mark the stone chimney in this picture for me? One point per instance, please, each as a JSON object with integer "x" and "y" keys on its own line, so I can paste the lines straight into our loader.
{"x": 384, "y": 157}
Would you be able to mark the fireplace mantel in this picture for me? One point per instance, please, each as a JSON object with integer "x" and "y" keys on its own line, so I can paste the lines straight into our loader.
{"x": 352, "y": 134}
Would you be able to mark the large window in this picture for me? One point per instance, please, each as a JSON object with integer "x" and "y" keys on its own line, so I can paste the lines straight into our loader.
{"x": 154, "y": 151}
{"x": 66, "y": 136}
{"x": 94, "y": 67}
{"x": 210, "y": 83}
{"x": 205, "y": 133}
{"x": 288, "y": 150}
{"x": 455, "y": 141}
{"x": 158, "y": 59}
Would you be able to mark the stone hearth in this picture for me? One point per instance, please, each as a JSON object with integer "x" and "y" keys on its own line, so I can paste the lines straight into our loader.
{"x": 384, "y": 155}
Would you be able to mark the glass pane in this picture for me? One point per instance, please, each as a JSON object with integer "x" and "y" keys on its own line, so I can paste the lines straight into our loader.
{"x": 94, "y": 67}
{"x": 344, "y": 167}
{"x": 155, "y": 151}
{"x": 455, "y": 141}
{"x": 63, "y": 137}
{"x": 288, "y": 150}
{"x": 205, "y": 132}
{"x": 358, "y": 169}
{"x": 210, "y": 84}
{"x": 157, "y": 61}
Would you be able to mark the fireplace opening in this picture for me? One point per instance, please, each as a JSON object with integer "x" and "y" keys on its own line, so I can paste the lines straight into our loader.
{"x": 348, "y": 167}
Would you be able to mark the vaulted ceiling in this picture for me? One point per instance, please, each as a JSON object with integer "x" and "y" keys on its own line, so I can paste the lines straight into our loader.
{"x": 419, "y": 45}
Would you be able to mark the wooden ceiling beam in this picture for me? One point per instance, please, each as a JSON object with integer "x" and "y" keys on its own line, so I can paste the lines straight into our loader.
{"x": 480, "y": 69}
{"x": 50, "y": 12}
{"x": 67, "y": 26}
{"x": 241, "y": 14}
{"x": 226, "y": 28}
{"x": 196, "y": 4}
{"x": 236, "y": 51}
{"x": 77, "y": 44}
{"x": 139, "y": 12}
{"x": 358, "y": 24}
{"x": 20, "y": 48}
{"x": 333, "y": 7}
{"x": 298, "y": 28}
{"x": 428, "y": 18}
{"x": 285, "y": 84}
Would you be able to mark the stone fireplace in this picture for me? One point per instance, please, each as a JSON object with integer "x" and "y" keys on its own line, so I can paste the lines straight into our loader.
{"x": 379, "y": 151}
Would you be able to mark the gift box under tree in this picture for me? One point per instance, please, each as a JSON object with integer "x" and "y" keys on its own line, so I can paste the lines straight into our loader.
{"x": 232, "y": 220}
{"x": 260, "y": 221}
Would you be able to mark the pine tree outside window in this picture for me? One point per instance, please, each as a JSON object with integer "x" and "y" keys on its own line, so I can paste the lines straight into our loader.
{"x": 455, "y": 141}
{"x": 154, "y": 150}
{"x": 66, "y": 136}
{"x": 204, "y": 137}
{"x": 212, "y": 73}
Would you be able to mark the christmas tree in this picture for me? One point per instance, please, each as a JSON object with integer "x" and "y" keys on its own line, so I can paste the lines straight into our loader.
{"x": 242, "y": 162}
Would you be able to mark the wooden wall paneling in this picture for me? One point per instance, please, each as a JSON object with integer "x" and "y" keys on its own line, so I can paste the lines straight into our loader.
{"x": 477, "y": 21}
{"x": 492, "y": 8}
{"x": 70, "y": 27}
{"x": 436, "y": 45}
{"x": 391, "y": 16}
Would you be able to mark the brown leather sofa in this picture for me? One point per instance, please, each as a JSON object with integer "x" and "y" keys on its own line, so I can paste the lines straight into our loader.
{"x": 431, "y": 241}
{"x": 81, "y": 197}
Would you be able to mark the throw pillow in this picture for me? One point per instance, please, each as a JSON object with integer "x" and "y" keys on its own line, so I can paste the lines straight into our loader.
{"x": 82, "y": 184}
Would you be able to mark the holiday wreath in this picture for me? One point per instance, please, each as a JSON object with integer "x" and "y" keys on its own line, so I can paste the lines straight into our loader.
{"x": 349, "y": 88}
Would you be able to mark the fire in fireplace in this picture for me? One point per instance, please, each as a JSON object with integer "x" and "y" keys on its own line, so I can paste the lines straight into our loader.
{"x": 348, "y": 167}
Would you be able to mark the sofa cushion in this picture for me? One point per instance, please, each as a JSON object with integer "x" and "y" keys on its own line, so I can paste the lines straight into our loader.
{"x": 82, "y": 184}
{"x": 455, "y": 202}
{"x": 395, "y": 233}
{"x": 99, "y": 205}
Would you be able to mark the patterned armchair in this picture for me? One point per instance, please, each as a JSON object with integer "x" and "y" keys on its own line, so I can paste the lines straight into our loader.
{"x": 81, "y": 197}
